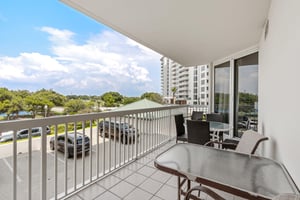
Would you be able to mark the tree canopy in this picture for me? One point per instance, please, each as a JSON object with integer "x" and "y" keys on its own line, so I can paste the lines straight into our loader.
{"x": 112, "y": 99}
{"x": 41, "y": 101}
{"x": 153, "y": 96}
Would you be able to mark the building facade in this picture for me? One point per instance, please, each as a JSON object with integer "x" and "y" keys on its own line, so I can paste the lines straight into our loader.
{"x": 191, "y": 83}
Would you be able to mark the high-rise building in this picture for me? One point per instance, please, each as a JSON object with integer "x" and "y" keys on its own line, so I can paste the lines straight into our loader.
{"x": 191, "y": 83}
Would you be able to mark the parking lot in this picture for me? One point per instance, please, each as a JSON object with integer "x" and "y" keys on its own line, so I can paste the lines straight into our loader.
{"x": 63, "y": 165}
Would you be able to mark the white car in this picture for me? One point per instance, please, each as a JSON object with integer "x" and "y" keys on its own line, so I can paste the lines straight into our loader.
{"x": 8, "y": 136}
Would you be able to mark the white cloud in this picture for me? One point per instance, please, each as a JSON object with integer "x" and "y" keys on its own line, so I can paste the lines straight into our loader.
{"x": 29, "y": 67}
{"x": 57, "y": 36}
{"x": 105, "y": 62}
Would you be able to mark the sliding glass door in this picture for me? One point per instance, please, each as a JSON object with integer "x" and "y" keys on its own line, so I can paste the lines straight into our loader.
{"x": 235, "y": 92}
{"x": 245, "y": 93}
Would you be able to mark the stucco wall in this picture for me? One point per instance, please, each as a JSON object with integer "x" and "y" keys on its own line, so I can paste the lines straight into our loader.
{"x": 279, "y": 85}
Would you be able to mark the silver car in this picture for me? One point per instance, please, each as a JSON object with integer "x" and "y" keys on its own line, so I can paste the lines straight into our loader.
{"x": 37, "y": 131}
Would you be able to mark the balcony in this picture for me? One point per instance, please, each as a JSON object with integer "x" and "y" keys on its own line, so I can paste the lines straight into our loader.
{"x": 138, "y": 180}
{"x": 202, "y": 44}
{"x": 32, "y": 170}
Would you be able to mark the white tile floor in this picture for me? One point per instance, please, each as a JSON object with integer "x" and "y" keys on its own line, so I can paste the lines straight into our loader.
{"x": 137, "y": 181}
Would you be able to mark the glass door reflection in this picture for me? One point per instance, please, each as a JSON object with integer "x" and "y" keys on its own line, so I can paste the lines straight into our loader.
{"x": 245, "y": 93}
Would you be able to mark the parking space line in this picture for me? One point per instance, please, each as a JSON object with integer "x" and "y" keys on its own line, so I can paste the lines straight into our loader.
{"x": 11, "y": 169}
{"x": 58, "y": 158}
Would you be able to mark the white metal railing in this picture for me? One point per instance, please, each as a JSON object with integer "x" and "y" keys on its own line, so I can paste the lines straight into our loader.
{"x": 31, "y": 170}
{"x": 203, "y": 108}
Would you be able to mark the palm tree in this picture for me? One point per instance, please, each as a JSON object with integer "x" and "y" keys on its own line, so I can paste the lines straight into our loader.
{"x": 174, "y": 90}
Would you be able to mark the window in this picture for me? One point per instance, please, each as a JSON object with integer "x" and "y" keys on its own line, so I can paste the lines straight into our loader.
{"x": 221, "y": 89}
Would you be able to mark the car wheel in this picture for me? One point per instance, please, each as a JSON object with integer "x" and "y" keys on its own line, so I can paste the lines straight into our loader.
{"x": 124, "y": 139}
{"x": 101, "y": 132}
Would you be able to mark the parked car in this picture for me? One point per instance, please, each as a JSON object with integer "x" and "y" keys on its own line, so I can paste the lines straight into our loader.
{"x": 71, "y": 143}
{"x": 123, "y": 130}
{"x": 6, "y": 136}
{"x": 37, "y": 131}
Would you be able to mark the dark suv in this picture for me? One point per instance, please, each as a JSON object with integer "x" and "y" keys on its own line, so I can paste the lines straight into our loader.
{"x": 123, "y": 130}
{"x": 71, "y": 143}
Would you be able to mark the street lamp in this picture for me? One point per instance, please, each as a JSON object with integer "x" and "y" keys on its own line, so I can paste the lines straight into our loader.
{"x": 46, "y": 108}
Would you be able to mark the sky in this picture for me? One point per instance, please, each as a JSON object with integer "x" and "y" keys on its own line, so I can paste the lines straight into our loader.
{"x": 46, "y": 44}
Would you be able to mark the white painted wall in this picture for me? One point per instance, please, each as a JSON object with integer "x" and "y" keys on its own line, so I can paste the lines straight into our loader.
{"x": 279, "y": 85}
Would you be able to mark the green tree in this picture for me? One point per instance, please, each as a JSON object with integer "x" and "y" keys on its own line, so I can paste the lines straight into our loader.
{"x": 36, "y": 102}
{"x": 4, "y": 106}
{"x": 112, "y": 99}
{"x": 74, "y": 105}
{"x": 5, "y": 94}
{"x": 22, "y": 93}
{"x": 128, "y": 100}
{"x": 153, "y": 96}
{"x": 6, "y": 97}
{"x": 54, "y": 97}
{"x": 15, "y": 106}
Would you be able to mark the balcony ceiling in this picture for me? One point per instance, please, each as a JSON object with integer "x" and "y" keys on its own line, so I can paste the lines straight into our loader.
{"x": 191, "y": 32}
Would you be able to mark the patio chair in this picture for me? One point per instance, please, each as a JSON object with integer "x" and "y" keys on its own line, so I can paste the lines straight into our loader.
{"x": 247, "y": 144}
{"x": 180, "y": 129}
{"x": 243, "y": 122}
{"x": 198, "y": 132}
{"x": 206, "y": 190}
{"x": 197, "y": 115}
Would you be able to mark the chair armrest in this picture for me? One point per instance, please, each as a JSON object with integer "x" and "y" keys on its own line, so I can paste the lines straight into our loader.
{"x": 204, "y": 189}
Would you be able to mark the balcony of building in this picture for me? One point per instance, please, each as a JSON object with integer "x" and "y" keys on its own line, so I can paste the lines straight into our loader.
{"x": 194, "y": 33}
{"x": 116, "y": 161}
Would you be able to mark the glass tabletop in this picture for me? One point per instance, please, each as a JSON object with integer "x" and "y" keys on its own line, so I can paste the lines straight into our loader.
{"x": 218, "y": 126}
{"x": 253, "y": 175}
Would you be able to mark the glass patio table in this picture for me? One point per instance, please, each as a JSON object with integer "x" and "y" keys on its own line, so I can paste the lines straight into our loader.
{"x": 247, "y": 176}
{"x": 218, "y": 127}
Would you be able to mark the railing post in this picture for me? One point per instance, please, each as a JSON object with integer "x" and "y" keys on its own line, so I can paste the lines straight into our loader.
{"x": 15, "y": 165}
{"x": 135, "y": 136}
{"x": 29, "y": 163}
{"x": 170, "y": 123}
{"x": 44, "y": 164}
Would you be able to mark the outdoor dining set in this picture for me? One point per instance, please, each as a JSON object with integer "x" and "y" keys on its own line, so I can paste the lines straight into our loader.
{"x": 216, "y": 163}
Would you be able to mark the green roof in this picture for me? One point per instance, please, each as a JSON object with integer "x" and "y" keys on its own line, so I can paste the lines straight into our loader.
{"x": 144, "y": 103}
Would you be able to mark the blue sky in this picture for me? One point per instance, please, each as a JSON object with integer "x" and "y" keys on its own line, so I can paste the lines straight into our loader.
{"x": 46, "y": 44}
